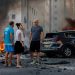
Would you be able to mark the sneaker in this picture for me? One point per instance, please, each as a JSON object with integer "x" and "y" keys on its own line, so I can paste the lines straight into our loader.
{"x": 33, "y": 62}
{"x": 37, "y": 63}
{"x": 9, "y": 65}
{"x": 18, "y": 66}
{"x": 5, "y": 65}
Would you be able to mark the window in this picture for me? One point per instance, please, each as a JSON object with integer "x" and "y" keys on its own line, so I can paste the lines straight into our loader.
{"x": 13, "y": 16}
{"x": 70, "y": 35}
{"x": 25, "y": 20}
{"x": 32, "y": 10}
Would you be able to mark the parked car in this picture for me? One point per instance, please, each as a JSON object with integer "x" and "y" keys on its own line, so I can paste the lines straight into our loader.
{"x": 59, "y": 42}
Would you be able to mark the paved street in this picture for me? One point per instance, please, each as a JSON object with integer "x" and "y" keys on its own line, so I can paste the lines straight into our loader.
{"x": 48, "y": 66}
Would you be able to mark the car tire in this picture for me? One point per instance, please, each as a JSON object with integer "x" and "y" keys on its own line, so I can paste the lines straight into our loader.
{"x": 67, "y": 51}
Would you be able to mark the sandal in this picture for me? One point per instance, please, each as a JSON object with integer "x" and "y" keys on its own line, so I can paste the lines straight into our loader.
{"x": 18, "y": 66}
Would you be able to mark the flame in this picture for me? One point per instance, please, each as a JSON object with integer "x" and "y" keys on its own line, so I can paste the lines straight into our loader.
{"x": 2, "y": 46}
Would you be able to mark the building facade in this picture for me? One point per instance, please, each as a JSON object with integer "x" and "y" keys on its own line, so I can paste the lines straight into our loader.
{"x": 51, "y": 13}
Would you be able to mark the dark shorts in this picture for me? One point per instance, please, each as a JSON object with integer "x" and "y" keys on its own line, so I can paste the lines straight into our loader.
{"x": 18, "y": 48}
{"x": 35, "y": 46}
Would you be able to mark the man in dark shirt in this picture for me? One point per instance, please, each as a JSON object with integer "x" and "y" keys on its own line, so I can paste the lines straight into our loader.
{"x": 35, "y": 36}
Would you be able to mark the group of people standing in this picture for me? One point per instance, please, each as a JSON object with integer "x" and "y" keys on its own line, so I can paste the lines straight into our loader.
{"x": 36, "y": 35}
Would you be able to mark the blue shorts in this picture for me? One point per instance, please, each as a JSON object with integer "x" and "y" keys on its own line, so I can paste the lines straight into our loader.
{"x": 9, "y": 48}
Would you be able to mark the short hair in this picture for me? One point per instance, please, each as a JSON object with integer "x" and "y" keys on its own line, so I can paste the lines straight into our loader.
{"x": 11, "y": 22}
{"x": 35, "y": 20}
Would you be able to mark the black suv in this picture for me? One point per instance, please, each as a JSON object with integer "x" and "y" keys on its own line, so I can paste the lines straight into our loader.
{"x": 60, "y": 42}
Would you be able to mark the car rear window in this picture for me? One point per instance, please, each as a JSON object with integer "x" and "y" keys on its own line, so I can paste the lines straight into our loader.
{"x": 70, "y": 35}
{"x": 51, "y": 35}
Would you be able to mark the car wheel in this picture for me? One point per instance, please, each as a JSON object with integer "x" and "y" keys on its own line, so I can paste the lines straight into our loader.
{"x": 67, "y": 52}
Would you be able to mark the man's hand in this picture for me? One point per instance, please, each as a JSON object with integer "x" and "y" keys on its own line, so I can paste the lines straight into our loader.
{"x": 29, "y": 41}
{"x": 30, "y": 37}
{"x": 13, "y": 44}
{"x": 22, "y": 44}
{"x": 42, "y": 36}
{"x": 41, "y": 41}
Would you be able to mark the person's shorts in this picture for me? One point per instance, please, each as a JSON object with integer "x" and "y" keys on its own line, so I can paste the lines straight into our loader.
{"x": 35, "y": 46}
{"x": 9, "y": 48}
{"x": 18, "y": 48}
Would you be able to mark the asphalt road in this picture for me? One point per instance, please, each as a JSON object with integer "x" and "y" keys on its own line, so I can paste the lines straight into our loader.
{"x": 48, "y": 66}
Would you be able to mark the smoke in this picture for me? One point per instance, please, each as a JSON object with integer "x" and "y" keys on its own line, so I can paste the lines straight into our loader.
{"x": 4, "y": 8}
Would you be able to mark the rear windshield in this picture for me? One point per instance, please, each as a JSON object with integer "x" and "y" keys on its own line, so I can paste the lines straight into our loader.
{"x": 51, "y": 35}
{"x": 70, "y": 35}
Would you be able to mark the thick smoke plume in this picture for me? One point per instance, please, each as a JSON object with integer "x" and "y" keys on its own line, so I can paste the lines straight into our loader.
{"x": 4, "y": 8}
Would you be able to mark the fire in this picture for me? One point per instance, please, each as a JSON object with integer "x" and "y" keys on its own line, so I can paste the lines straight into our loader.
{"x": 2, "y": 46}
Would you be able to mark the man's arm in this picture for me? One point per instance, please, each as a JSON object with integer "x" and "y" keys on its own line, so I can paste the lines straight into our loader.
{"x": 11, "y": 38}
{"x": 42, "y": 36}
{"x": 20, "y": 39}
{"x": 30, "y": 36}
